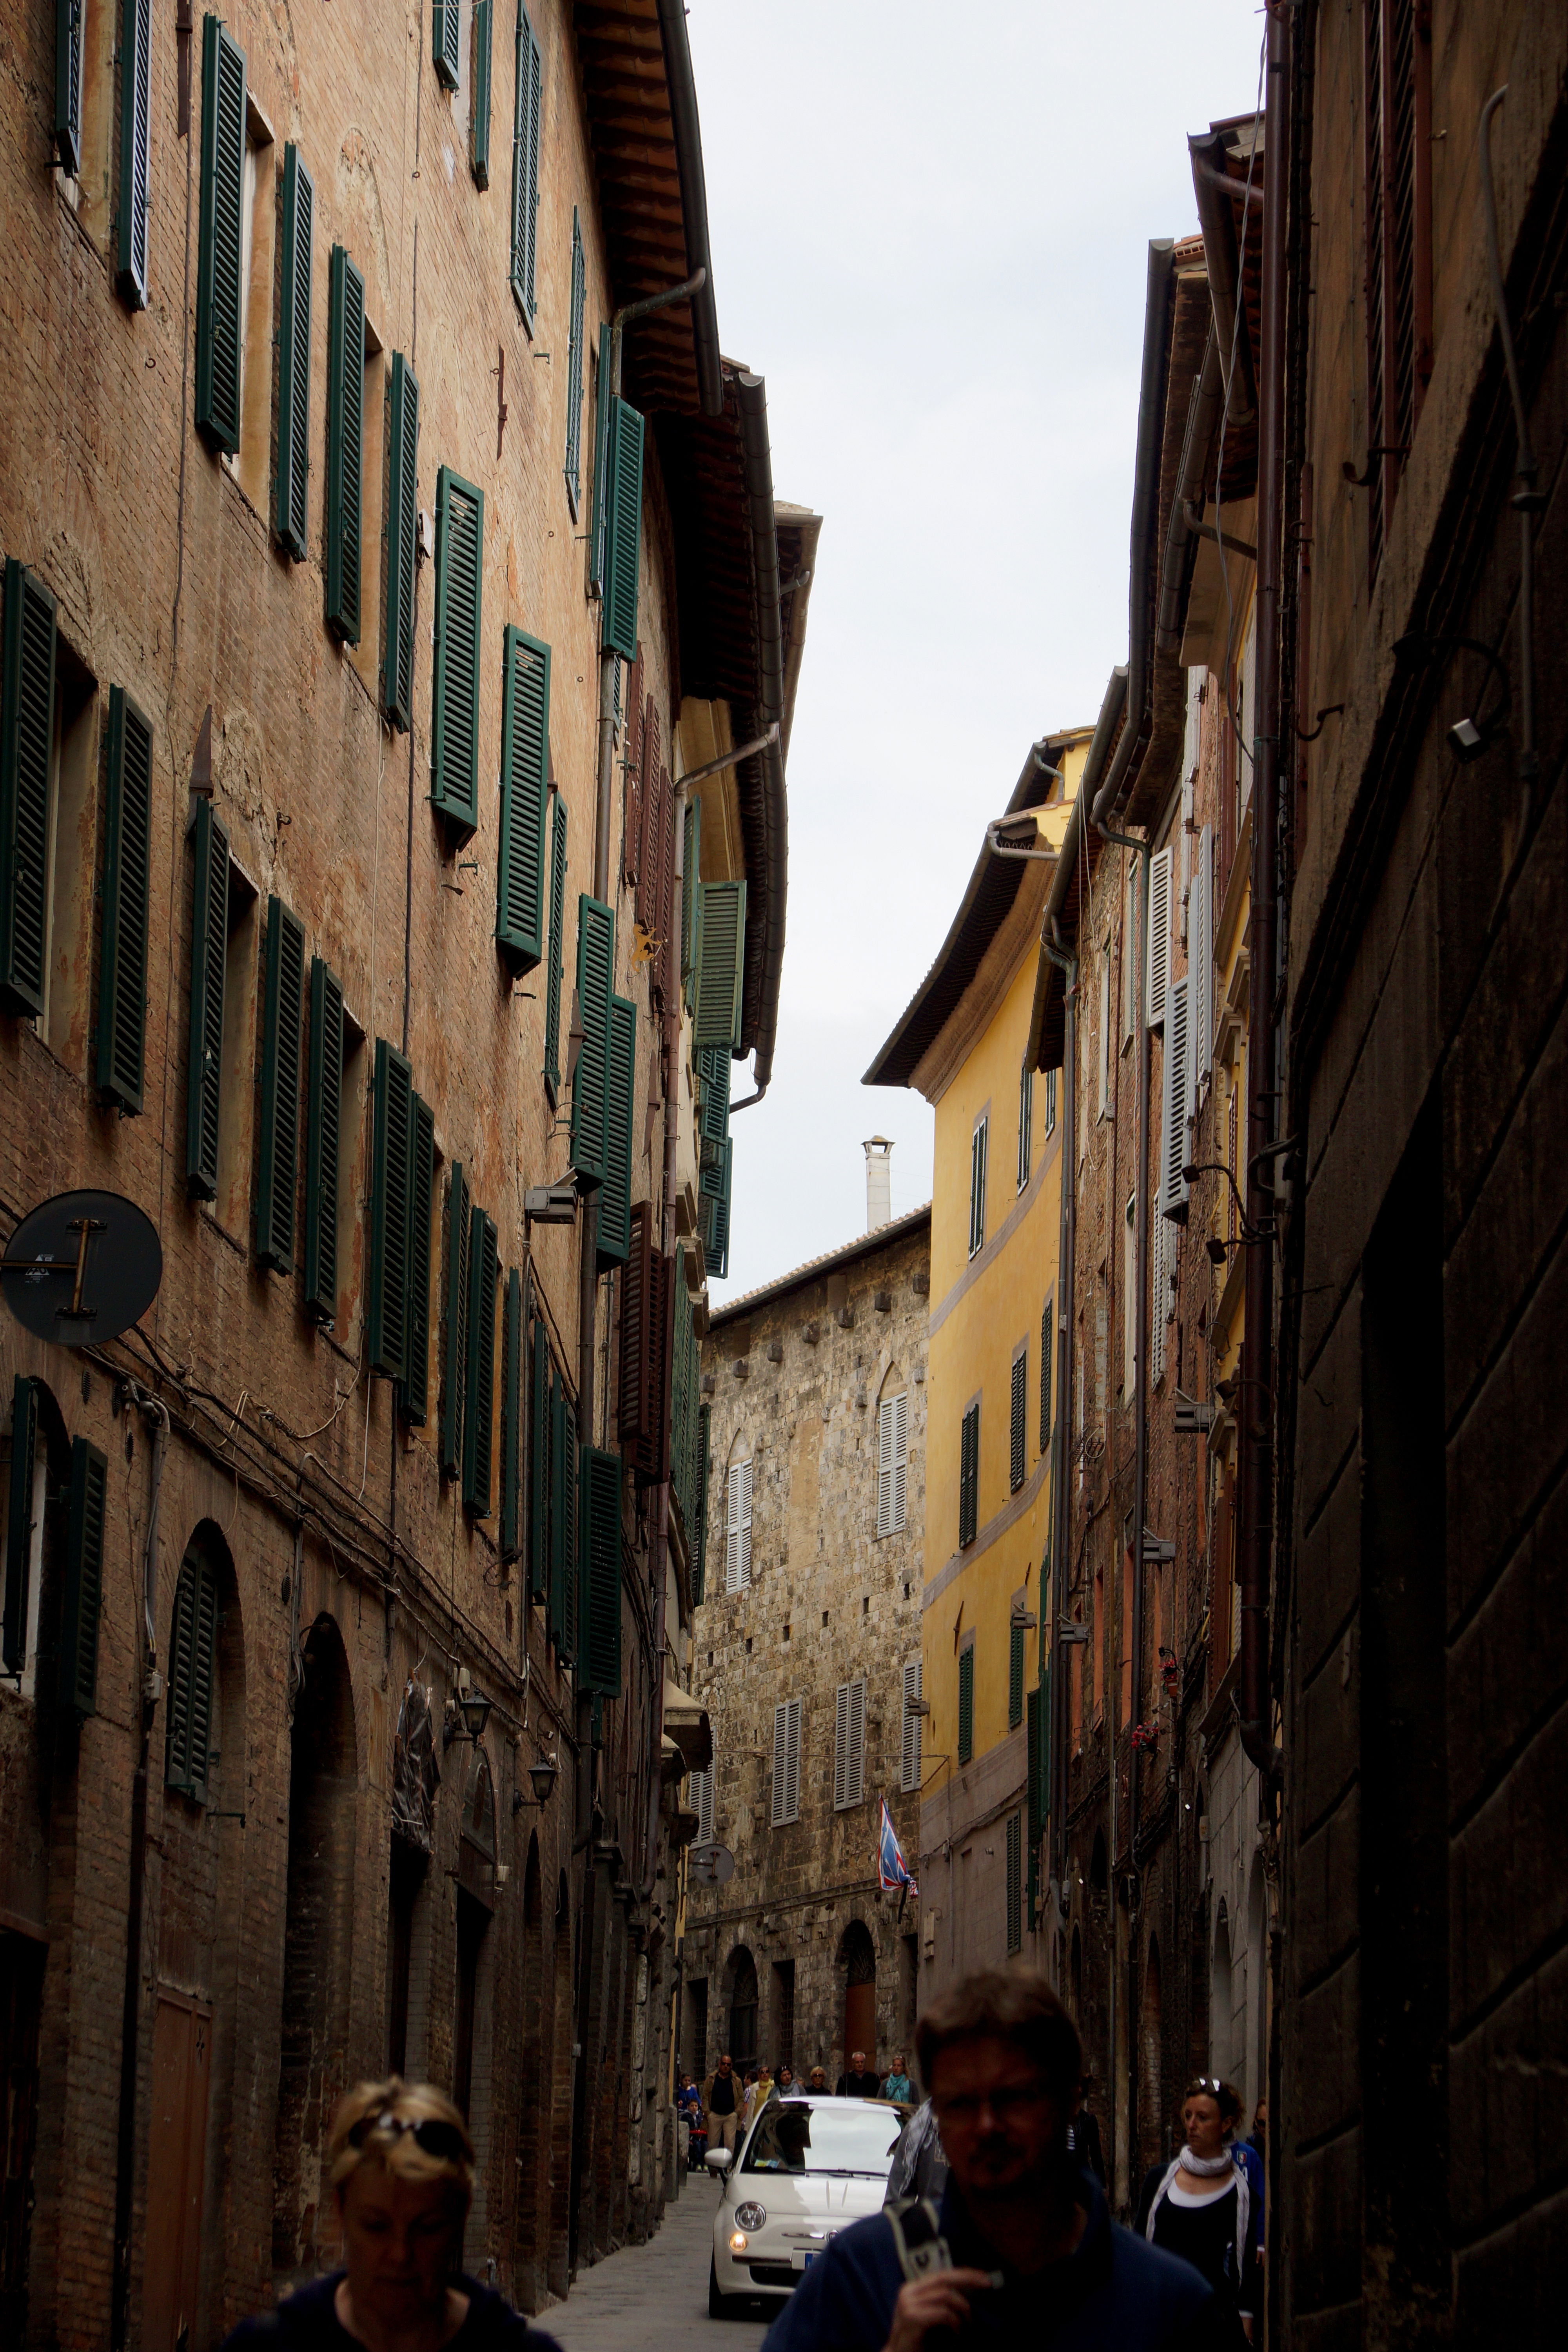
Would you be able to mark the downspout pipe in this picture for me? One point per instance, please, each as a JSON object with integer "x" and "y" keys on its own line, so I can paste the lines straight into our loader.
{"x": 1256, "y": 1393}
{"x": 1067, "y": 1261}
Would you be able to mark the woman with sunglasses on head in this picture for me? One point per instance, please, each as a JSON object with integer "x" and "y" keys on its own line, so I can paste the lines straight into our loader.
{"x": 1201, "y": 2205}
{"x": 402, "y": 2168}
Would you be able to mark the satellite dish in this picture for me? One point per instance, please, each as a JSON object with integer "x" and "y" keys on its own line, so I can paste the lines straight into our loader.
{"x": 711, "y": 1865}
{"x": 82, "y": 1267}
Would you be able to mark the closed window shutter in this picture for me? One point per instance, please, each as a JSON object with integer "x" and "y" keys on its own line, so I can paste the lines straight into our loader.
{"x": 479, "y": 131}
{"x": 1047, "y": 1338}
{"x": 701, "y": 1792}
{"x": 1037, "y": 1736}
{"x": 323, "y": 1130}
{"x": 83, "y": 1594}
{"x": 480, "y": 1372}
{"x": 525, "y": 167}
{"x": 885, "y": 1467}
{"x": 600, "y": 1520}
{"x": 220, "y": 297}
{"x": 1200, "y": 960}
{"x": 209, "y": 951}
{"x": 539, "y": 1471}
{"x": 849, "y": 1745}
{"x": 136, "y": 110}
{"x": 969, "y": 1477}
{"x": 786, "y": 1763}
{"x": 590, "y": 1080}
{"x": 455, "y": 693}
{"x": 977, "y": 1150}
{"x": 553, "y": 950}
{"x": 193, "y": 1653}
{"x": 690, "y": 902}
{"x": 1159, "y": 1243}
{"x": 722, "y": 968}
{"x": 562, "y": 1474}
{"x": 634, "y": 1369}
{"x": 524, "y": 790}
{"x": 414, "y": 1394}
{"x": 704, "y": 1442}
{"x": 567, "y": 1642}
{"x": 401, "y": 529}
{"x": 615, "y": 1199}
{"x": 291, "y": 511}
{"x": 631, "y": 814}
{"x": 717, "y": 1237}
{"x": 650, "y": 850}
{"x": 1025, "y": 1123}
{"x": 966, "y": 1703}
{"x": 444, "y": 29}
{"x": 1173, "y": 1106}
{"x": 510, "y": 1414}
{"x": 26, "y": 726}
{"x": 912, "y": 1727}
{"x": 68, "y": 85}
{"x": 345, "y": 445}
{"x": 713, "y": 1113}
{"x": 738, "y": 1528}
{"x": 19, "y": 1524}
{"x": 1015, "y": 1677}
{"x": 840, "y": 1747}
{"x": 455, "y": 1323}
{"x": 277, "y": 1157}
{"x": 1015, "y": 1883}
{"x": 574, "y": 376}
{"x": 623, "y": 530}
{"x": 123, "y": 966}
{"x": 387, "y": 1318}
{"x": 1017, "y": 1440}
{"x": 664, "y": 1278}
{"x": 1157, "y": 961}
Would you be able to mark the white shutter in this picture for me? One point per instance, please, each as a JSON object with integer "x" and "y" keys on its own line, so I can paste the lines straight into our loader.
{"x": 786, "y": 1763}
{"x": 892, "y": 1452}
{"x": 841, "y": 1749}
{"x": 1104, "y": 1027}
{"x": 701, "y": 1804}
{"x": 849, "y": 1745}
{"x": 900, "y": 1457}
{"x": 1173, "y": 1106}
{"x": 1200, "y": 961}
{"x": 858, "y": 1739}
{"x": 910, "y": 1758}
{"x": 793, "y": 1792}
{"x": 1158, "y": 1255}
{"x": 738, "y": 1528}
{"x": 1159, "y": 958}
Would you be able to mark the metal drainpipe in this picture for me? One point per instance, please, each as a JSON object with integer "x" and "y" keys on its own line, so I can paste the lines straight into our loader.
{"x": 1066, "y": 1262}
{"x": 667, "y": 1246}
{"x": 1256, "y": 1388}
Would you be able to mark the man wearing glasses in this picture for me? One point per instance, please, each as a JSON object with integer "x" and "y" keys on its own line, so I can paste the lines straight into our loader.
{"x": 1023, "y": 2249}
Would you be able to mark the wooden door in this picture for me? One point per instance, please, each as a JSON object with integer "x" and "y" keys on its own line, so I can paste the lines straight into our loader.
{"x": 860, "y": 2022}
{"x": 21, "y": 1997}
{"x": 176, "y": 2163}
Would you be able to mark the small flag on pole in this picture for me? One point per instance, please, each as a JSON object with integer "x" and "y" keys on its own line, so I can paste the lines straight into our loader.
{"x": 892, "y": 1870}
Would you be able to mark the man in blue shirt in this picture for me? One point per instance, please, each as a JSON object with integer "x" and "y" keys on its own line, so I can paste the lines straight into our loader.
{"x": 1028, "y": 2253}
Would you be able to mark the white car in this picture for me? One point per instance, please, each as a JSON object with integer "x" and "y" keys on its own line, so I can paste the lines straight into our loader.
{"x": 806, "y": 2169}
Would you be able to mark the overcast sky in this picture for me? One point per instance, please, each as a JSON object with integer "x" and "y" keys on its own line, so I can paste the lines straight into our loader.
{"x": 929, "y": 228}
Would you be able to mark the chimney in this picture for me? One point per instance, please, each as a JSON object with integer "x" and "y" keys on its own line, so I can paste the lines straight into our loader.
{"x": 878, "y": 1182}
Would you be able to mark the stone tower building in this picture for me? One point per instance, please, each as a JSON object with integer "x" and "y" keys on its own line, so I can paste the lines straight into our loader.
{"x": 806, "y": 1656}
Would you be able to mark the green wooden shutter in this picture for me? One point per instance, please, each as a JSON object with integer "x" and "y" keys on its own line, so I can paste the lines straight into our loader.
{"x": 220, "y": 297}
{"x": 615, "y": 1199}
{"x": 192, "y": 1645}
{"x": 597, "y": 527}
{"x": 600, "y": 1533}
{"x": 1046, "y": 1318}
{"x": 524, "y": 790}
{"x": 574, "y": 369}
{"x": 1017, "y": 1437}
{"x": 563, "y": 1476}
{"x": 690, "y": 901}
{"x": 323, "y": 1129}
{"x": 414, "y": 1395}
{"x": 480, "y": 1372}
{"x": 1015, "y": 1883}
{"x": 539, "y": 1473}
{"x": 27, "y": 730}
{"x": 19, "y": 1524}
{"x": 455, "y": 1323}
{"x": 511, "y": 1415}
{"x": 68, "y": 85}
{"x": 444, "y": 29}
{"x": 966, "y": 1703}
{"x": 525, "y": 168}
{"x": 135, "y": 111}
{"x": 119, "y": 1037}
{"x": 277, "y": 1157}
{"x": 699, "y": 1559}
{"x": 571, "y": 1619}
{"x": 455, "y": 697}
{"x": 1015, "y": 1677}
{"x": 713, "y": 1068}
{"x": 82, "y": 1599}
{"x": 722, "y": 968}
{"x": 633, "y": 1372}
{"x": 209, "y": 952}
{"x": 291, "y": 508}
{"x": 345, "y": 445}
{"x": 479, "y": 132}
{"x": 386, "y": 1319}
{"x": 401, "y": 528}
{"x": 554, "y": 951}
{"x": 969, "y": 1477}
{"x": 1036, "y": 1747}
{"x": 590, "y": 1080}
{"x": 623, "y": 530}
{"x": 714, "y": 1186}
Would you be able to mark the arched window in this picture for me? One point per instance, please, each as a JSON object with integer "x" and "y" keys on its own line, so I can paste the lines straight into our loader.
{"x": 892, "y": 1460}
{"x": 738, "y": 1527}
{"x": 192, "y": 1645}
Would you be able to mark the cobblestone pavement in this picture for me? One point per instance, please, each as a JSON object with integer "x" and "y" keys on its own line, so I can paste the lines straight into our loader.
{"x": 654, "y": 2298}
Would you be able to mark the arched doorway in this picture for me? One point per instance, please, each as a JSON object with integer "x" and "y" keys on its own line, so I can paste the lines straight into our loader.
{"x": 742, "y": 2041}
{"x": 317, "y": 1949}
{"x": 857, "y": 1959}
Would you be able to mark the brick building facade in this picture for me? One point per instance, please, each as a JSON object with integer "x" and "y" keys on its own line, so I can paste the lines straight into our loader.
{"x": 807, "y": 1651}
{"x": 313, "y": 478}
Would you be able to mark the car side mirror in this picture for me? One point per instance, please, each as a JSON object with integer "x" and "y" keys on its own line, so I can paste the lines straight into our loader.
{"x": 720, "y": 2159}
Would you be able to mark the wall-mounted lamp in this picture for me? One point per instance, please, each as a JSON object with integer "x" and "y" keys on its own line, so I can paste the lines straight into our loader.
{"x": 468, "y": 1717}
{"x": 543, "y": 1772}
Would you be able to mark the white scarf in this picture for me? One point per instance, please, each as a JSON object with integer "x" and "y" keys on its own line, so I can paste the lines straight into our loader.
{"x": 1209, "y": 2168}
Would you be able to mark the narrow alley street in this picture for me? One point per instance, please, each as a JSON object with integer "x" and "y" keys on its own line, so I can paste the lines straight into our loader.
{"x": 654, "y": 2298}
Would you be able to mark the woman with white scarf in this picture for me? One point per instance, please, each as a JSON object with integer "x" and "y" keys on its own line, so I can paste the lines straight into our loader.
{"x": 1200, "y": 2206}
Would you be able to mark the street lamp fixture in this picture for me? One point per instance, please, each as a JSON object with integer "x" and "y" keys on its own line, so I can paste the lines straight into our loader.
{"x": 543, "y": 1772}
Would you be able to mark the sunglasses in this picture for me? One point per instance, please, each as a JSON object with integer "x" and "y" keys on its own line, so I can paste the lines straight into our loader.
{"x": 444, "y": 2142}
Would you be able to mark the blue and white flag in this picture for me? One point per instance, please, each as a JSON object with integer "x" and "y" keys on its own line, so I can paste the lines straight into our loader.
{"x": 892, "y": 1870}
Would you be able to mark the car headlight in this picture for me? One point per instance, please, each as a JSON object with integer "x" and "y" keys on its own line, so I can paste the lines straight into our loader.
{"x": 750, "y": 2216}
{"x": 737, "y": 2242}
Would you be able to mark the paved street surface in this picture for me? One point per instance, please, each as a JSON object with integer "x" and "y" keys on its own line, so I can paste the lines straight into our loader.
{"x": 654, "y": 2298}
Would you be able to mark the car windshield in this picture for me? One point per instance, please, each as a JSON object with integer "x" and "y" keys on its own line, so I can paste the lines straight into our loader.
{"x": 832, "y": 2135}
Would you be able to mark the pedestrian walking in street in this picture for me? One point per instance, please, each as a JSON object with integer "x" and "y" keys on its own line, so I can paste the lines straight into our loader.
{"x": 721, "y": 2106}
{"x": 862, "y": 2082}
{"x": 1023, "y": 2249}
{"x": 402, "y": 2170}
{"x": 1201, "y": 2206}
{"x": 898, "y": 2084}
{"x": 760, "y": 2083}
